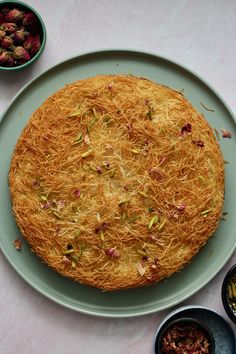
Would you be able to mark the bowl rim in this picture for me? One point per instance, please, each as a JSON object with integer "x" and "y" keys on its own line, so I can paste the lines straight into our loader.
{"x": 44, "y": 36}
{"x": 188, "y": 319}
{"x": 230, "y": 273}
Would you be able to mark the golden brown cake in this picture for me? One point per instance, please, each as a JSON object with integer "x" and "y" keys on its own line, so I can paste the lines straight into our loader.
{"x": 117, "y": 181}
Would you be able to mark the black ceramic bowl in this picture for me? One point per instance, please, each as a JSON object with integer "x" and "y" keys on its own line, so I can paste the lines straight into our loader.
{"x": 187, "y": 323}
{"x": 228, "y": 298}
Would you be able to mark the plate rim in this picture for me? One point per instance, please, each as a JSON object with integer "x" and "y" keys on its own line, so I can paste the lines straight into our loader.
{"x": 106, "y": 52}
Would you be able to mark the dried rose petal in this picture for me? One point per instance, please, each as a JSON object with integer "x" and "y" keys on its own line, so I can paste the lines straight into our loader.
{"x": 45, "y": 205}
{"x": 198, "y": 143}
{"x": 102, "y": 227}
{"x": 18, "y": 244}
{"x": 112, "y": 252}
{"x": 181, "y": 207}
{"x": 14, "y": 15}
{"x": 155, "y": 173}
{"x": 226, "y": 133}
{"x": 110, "y": 86}
{"x": 20, "y": 53}
{"x": 29, "y": 18}
{"x": 99, "y": 170}
{"x": 77, "y": 192}
{"x": 141, "y": 269}
{"x": 186, "y": 129}
{"x": 35, "y": 183}
{"x": 9, "y": 27}
{"x": 7, "y": 42}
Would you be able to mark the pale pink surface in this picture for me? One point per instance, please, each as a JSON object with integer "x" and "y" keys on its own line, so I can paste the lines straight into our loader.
{"x": 198, "y": 34}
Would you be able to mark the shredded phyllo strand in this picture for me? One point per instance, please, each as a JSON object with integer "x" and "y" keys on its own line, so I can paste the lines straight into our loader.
{"x": 207, "y": 108}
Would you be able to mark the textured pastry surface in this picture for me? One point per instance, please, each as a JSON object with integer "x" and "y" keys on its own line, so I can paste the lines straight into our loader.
{"x": 117, "y": 181}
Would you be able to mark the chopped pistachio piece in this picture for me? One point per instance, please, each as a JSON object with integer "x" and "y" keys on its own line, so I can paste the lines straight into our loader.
{"x": 87, "y": 153}
{"x": 160, "y": 227}
{"x": 152, "y": 221}
{"x": 143, "y": 194}
{"x": 79, "y": 138}
{"x": 207, "y": 211}
{"x": 141, "y": 253}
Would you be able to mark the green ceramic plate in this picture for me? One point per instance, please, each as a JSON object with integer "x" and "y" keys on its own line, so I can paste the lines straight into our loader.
{"x": 132, "y": 302}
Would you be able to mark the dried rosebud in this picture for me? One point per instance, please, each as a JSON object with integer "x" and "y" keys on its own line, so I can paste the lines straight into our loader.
{"x": 199, "y": 143}
{"x": 18, "y": 244}
{"x": 14, "y": 15}
{"x": 32, "y": 44}
{"x": 112, "y": 252}
{"x": 5, "y": 57}
{"x": 2, "y": 34}
{"x": 9, "y": 27}
{"x": 186, "y": 129}
{"x": 20, "y": 53}
{"x": 2, "y": 18}
{"x": 5, "y": 10}
{"x": 226, "y": 133}
{"x": 7, "y": 42}
{"x": 19, "y": 36}
{"x": 29, "y": 18}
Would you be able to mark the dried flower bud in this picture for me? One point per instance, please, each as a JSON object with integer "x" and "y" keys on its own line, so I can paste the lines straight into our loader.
{"x": 14, "y": 15}
{"x": 20, "y": 53}
{"x": 2, "y": 18}
{"x": 29, "y": 18}
{"x": 36, "y": 44}
{"x": 32, "y": 44}
{"x": 5, "y": 10}
{"x": 9, "y": 27}
{"x": 19, "y": 36}
{"x": 5, "y": 57}
{"x": 2, "y": 34}
{"x": 7, "y": 42}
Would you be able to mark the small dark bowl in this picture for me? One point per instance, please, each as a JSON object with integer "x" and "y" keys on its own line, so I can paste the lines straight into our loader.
{"x": 42, "y": 33}
{"x": 188, "y": 321}
{"x": 225, "y": 296}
